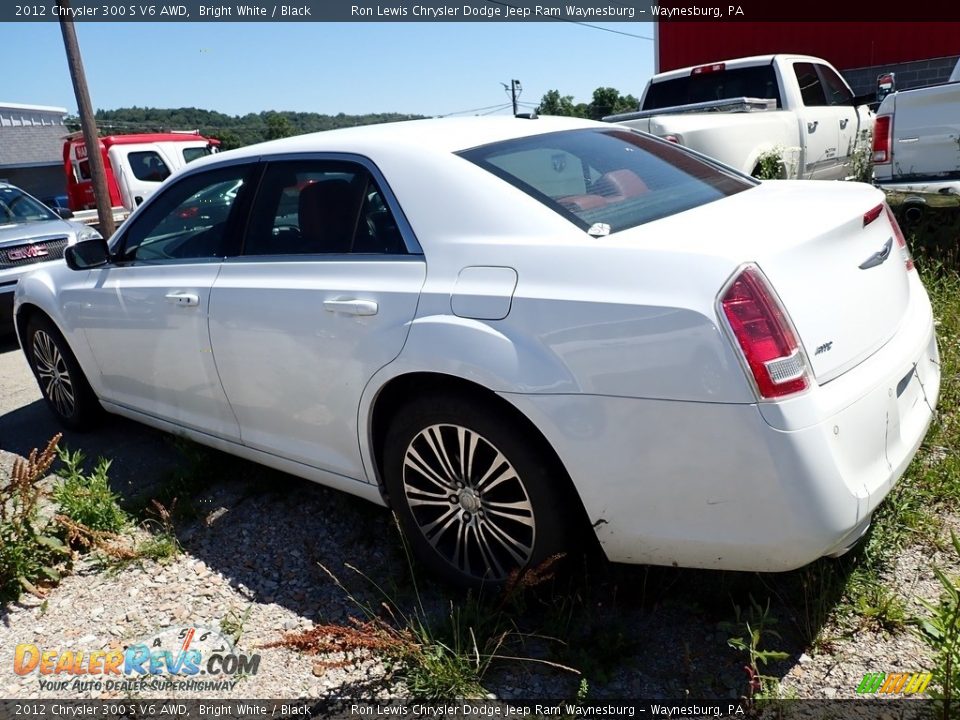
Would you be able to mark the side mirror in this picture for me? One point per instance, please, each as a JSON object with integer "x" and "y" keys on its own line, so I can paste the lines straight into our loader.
{"x": 64, "y": 213}
{"x": 87, "y": 254}
{"x": 886, "y": 84}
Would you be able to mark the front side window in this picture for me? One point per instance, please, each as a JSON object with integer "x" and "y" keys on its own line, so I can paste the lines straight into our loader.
{"x": 811, "y": 90}
{"x": 188, "y": 220}
{"x": 837, "y": 91}
{"x": 147, "y": 165}
{"x": 321, "y": 207}
{"x": 618, "y": 178}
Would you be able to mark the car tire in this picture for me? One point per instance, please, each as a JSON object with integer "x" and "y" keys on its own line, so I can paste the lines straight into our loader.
{"x": 475, "y": 495}
{"x": 62, "y": 383}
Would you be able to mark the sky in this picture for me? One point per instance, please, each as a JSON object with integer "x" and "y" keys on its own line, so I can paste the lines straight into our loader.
{"x": 408, "y": 67}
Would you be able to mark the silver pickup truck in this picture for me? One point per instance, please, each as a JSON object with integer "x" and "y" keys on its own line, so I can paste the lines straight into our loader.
{"x": 916, "y": 145}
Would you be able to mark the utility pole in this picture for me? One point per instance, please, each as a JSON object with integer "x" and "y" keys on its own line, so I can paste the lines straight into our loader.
{"x": 514, "y": 87}
{"x": 515, "y": 91}
{"x": 87, "y": 122}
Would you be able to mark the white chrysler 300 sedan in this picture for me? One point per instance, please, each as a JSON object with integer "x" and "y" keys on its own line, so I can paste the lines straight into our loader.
{"x": 508, "y": 329}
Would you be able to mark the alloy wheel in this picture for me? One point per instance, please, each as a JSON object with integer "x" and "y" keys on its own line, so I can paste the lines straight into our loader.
{"x": 54, "y": 376}
{"x": 468, "y": 501}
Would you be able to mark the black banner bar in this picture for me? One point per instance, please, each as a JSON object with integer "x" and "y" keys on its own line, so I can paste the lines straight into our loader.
{"x": 906, "y": 709}
{"x": 477, "y": 11}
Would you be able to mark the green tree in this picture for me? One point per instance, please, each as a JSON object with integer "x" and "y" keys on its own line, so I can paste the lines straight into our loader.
{"x": 278, "y": 126}
{"x": 553, "y": 103}
{"x": 229, "y": 139}
{"x": 609, "y": 101}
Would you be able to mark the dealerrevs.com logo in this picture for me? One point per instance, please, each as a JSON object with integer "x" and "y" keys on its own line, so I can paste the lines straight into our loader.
{"x": 894, "y": 683}
{"x": 191, "y": 658}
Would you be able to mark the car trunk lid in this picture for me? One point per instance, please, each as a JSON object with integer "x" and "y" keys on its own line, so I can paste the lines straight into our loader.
{"x": 840, "y": 276}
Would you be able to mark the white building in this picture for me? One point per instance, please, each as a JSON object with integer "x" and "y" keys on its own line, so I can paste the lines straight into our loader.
{"x": 31, "y": 147}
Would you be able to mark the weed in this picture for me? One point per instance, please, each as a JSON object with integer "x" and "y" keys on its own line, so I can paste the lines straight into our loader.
{"x": 861, "y": 158}
{"x": 877, "y": 603}
{"x": 941, "y": 629}
{"x": 754, "y": 628}
{"x": 162, "y": 545}
{"x": 87, "y": 498}
{"x": 770, "y": 165}
{"x": 233, "y": 624}
{"x": 438, "y": 655}
{"x": 31, "y": 554}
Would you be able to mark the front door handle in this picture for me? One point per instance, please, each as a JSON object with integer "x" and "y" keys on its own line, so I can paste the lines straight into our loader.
{"x": 183, "y": 298}
{"x": 843, "y": 123}
{"x": 351, "y": 306}
{"x": 812, "y": 126}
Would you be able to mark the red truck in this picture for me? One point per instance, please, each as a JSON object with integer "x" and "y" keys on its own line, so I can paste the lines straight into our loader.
{"x": 135, "y": 166}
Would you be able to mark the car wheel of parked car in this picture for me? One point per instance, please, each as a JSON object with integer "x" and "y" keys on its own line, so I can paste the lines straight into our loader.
{"x": 62, "y": 382}
{"x": 474, "y": 495}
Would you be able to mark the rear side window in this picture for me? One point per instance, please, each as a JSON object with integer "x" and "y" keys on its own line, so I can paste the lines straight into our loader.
{"x": 752, "y": 82}
{"x": 321, "y": 207}
{"x": 194, "y": 153}
{"x": 618, "y": 178}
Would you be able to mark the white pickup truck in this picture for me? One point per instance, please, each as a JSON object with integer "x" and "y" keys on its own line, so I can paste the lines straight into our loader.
{"x": 916, "y": 146}
{"x": 736, "y": 111}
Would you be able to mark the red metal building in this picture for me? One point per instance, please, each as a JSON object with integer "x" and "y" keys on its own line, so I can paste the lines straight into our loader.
{"x": 921, "y": 53}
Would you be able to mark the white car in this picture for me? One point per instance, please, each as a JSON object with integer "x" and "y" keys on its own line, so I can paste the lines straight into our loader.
{"x": 510, "y": 330}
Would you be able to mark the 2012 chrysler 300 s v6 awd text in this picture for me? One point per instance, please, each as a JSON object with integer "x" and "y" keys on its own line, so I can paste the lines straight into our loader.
{"x": 506, "y": 329}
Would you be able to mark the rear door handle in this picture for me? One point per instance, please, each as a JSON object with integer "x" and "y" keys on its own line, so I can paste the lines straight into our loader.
{"x": 811, "y": 126}
{"x": 183, "y": 298}
{"x": 843, "y": 123}
{"x": 351, "y": 306}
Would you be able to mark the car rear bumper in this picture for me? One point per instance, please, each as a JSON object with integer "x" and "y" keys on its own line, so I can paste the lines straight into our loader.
{"x": 717, "y": 485}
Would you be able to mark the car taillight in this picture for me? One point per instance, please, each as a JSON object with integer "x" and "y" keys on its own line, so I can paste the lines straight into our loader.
{"x": 882, "y": 127}
{"x": 871, "y": 215}
{"x": 766, "y": 338}
{"x": 901, "y": 240}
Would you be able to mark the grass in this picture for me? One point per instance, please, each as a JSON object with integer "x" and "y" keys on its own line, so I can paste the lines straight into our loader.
{"x": 87, "y": 498}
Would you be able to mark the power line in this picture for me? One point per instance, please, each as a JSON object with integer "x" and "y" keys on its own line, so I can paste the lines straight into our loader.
{"x": 502, "y": 107}
{"x": 461, "y": 112}
{"x": 577, "y": 22}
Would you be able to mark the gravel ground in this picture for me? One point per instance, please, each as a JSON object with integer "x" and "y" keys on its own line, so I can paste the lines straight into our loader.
{"x": 255, "y": 548}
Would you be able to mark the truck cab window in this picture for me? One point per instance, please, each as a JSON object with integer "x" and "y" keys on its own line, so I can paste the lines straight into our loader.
{"x": 148, "y": 166}
{"x": 811, "y": 89}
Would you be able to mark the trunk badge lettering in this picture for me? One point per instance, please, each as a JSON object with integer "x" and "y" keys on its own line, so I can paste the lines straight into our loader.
{"x": 824, "y": 348}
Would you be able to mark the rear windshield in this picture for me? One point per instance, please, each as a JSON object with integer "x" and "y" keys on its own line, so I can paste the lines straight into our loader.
{"x": 619, "y": 178}
{"x": 752, "y": 82}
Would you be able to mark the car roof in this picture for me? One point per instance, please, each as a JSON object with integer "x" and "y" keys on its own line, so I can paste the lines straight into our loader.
{"x": 437, "y": 135}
